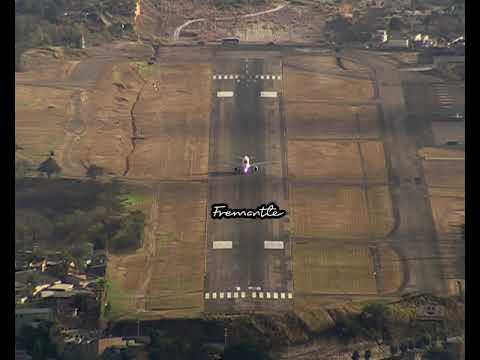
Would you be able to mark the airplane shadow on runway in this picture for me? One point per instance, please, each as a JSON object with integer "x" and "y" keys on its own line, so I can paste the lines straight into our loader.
{"x": 222, "y": 173}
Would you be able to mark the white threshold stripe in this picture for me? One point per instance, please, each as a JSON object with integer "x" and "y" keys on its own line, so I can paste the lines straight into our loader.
{"x": 222, "y": 245}
{"x": 248, "y": 295}
{"x": 268, "y": 94}
{"x": 222, "y": 94}
{"x": 273, "y": 244}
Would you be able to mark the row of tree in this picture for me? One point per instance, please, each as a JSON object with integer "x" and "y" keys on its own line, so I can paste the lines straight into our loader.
{"x": 92, "y": 214}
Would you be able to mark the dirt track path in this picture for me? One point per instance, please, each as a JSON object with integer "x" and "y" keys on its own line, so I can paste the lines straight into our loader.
{"x": 178, "y": 30}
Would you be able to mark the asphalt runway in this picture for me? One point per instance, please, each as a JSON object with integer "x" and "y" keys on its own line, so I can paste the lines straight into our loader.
{"x": 246, "y": 276}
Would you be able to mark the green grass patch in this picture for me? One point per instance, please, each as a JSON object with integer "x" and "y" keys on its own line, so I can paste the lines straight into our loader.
{"x": 118, "y": 301}
{"x": 132, "y": 200}
{"x": 145, "y": 70}
{"x": 116, "y": 76}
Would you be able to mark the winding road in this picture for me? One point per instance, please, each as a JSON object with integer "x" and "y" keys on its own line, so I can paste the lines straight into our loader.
{"x": 178, "y": 30}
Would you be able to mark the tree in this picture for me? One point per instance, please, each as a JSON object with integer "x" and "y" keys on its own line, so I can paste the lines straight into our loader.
{"x": 427, "y": 340}
{"x": 395, "y": 24}
{"x": 393, "y": 349}
{"x": 411, "y": 345}
{"x": 38, "y": 352}
{"x": 49, "y": 167}
{"x": 93, "y": 171}
{"x": 368, "y": 355}
{"x": 355, "y": 355}
{"x": 374, "y": 315}
{"x": 22, "y": 168}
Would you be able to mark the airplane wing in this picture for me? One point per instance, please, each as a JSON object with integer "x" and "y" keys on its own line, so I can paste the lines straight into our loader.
{"x": 265, "y": 162}
{"x": 234, "y": 164}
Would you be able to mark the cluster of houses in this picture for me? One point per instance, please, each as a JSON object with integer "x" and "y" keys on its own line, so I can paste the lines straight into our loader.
{"x": 57, "y": 291}
{"x": 417, "y": 31}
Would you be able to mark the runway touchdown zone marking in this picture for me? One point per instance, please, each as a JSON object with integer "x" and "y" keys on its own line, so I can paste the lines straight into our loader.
{"x": 224, "y": 94}
{"x": 268, "y": 295}
{"x": 273, "y": 245}
{"x": 222, "y": 245}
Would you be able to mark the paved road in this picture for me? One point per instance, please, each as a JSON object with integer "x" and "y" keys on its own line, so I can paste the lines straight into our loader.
{"x": 246, "y": 124}
{"x": 413, "y": 212}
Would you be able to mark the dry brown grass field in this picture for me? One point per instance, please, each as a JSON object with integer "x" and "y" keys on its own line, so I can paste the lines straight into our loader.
{"x": 374, "y": 164}
{"x": 444, "y": 173}
{"x": 308, "y": 86}
{"x": 446, "y": 185}
{"x": 327, "y": 121}
{"x": 340, "y": 212}
{"x": 337, "y": 161}
{"x": 308, "y": 78}
{"x": 448, "y": 215}
{"x": 107, "y": 141}
{"x": 334, "y": 161}
{"x": 40, "y": 119}
{"x": 323, "y": 268}
{"x": 165, "y": 277}
{"x": 173, "y": 115}
{"x": 391, "y": 270}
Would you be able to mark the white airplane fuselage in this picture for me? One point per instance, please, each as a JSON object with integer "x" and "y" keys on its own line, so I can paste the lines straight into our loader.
{"x": 247, "y": 167}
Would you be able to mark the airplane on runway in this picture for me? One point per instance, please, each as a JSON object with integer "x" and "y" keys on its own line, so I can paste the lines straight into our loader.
{"x": 248, "y": 165}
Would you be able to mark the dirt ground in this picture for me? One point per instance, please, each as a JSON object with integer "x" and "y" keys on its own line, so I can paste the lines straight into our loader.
{"x": 340, "y": 212}
{"x": 165, "y": 278}
{"x": 107, "y": 140}
{"x": 391, "y": 270}
{"x": 446, "y": 184}
{"x": 322, "y": 268}
{"x": 158, "y": 20}
{"x": 334, "y": 161}
{"x": 337, "y": 161}
{"x": 40, "y": 119}
{"x": 445, "y": 173}
{"x": 448, "y": 214}
{"x": 308, "y": 86}
{"x": 328, "y": 121}
{"x": 173, "y": 114}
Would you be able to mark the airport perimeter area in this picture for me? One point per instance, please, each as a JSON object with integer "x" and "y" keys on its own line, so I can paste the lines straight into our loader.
{"x": 363, "y": 202}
